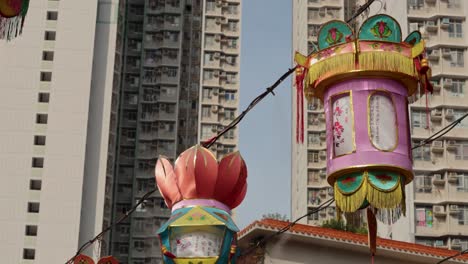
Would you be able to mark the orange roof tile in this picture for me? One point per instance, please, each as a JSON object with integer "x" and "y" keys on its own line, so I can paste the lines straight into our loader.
{"x": 316, "y": 231}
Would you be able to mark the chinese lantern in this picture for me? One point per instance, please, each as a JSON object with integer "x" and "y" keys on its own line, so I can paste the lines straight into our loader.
{"x": 364, "y": 80}
{"x": 12, "y": 16}
{"x": 83, "y": 259}
{"x": 201, "y": 193}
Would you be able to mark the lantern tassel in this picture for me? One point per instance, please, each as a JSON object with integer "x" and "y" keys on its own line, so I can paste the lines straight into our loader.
{"x": 300, "y": 74}
{"x": 372, "y": 231}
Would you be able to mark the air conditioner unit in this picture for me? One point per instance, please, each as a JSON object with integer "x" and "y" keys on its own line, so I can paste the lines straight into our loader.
{"x": 444, "y": 23}
{"x": 323, "y": 193}
{"x": 437, "y": 177}
{"x": 434, "y": 54}
{"x": 448, "y": 82}
{"x": 322, "y": 173}
{"x": 437, "y": 144}
{"x": 214, "y": 108}
{"x": 322, "y": 12}
{"x": 330, "y": 191}
{"x": 451, "y": 145}
{"x": 449, "y": 113}
{"x": 454, "y": 208}
{"x": 430, "y": 23}
{"x": 323, "y": 135}
{"x": 215, "y": 91}
{"x": 438, "y": 209}
{"x": 216, "y": 74}
{"x": 214, "y": 128}
{"x": 436, "y": 112}
{"x": 446, "y": 53}
{"x": 452, "y": 177}
{"x": 217, "y": 38}
{"x": 456, "y": 241}
{"x": 323, "y": 153}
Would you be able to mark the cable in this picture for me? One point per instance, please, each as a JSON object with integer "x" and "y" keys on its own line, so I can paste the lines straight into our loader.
{"x": 211, "y": 141}
{"x": 360, "y": 10}
{"x": 122, "y": 218}
{"x": 441, "y": 132}
{"x": 287, "y": 227}
{"x": 454, "y": 256}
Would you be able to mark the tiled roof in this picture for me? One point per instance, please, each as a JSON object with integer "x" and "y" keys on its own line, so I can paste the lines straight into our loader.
{"x": 321, "y": 232}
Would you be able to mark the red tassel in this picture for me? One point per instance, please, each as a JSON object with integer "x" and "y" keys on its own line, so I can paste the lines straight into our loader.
{"x": 372, "y": 231}
{"x": 300, "y": 74}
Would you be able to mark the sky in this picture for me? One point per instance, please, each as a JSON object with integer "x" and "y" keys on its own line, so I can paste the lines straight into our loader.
{"x": 265, "y": 133}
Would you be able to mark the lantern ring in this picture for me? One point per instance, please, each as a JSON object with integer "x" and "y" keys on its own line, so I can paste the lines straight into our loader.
{"x": 201, "y": 202}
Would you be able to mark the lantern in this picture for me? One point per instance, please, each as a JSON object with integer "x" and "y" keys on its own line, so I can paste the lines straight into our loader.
{"x": 83, "y": 259}
{"x": 201, "y": 194}
{"x": 12, "y": 16}
{"x": 364, "y": 81}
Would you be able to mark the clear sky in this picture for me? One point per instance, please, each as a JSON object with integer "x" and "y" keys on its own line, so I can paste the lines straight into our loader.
{"x": 265, "y": 133}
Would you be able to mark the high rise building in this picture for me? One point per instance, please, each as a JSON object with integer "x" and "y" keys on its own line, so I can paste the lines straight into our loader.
{"x": 53, "y": 130}
{"x": 437, "y": 208}
{"x": 177, "y": 77}
{"x": 93, "y": 93}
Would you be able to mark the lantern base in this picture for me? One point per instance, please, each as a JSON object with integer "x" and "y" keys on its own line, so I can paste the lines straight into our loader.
{"x": 383, "y": 190}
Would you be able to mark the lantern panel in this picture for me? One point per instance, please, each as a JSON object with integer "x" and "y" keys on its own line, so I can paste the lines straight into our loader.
{"x": 343, "y": 124}
{"x": 383, "y": 130}
{"x": 205, "y": 241}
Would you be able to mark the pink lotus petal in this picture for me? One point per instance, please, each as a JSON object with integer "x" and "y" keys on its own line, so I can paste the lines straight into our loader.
{"x": 185, "y": 173}
{"x": 206, "y": 172}
{"x": 166, "y": 182}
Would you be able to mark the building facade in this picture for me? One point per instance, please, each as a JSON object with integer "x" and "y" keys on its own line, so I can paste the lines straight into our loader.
{"x": 436, "y": 200}
{"x": 177, "y": 81}
{"x": 52, "y": 196}
{"x": 94, "y": 92}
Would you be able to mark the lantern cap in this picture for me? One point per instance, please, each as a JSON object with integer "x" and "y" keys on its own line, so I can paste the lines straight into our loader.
{"x": 377, "y": 50}
{"x": 197, "y": 179}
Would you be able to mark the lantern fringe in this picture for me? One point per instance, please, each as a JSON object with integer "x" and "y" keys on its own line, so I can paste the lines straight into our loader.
{"x": 330, "y": 66}
{"x": 353, "y": 201}
{"x": 390, "y": 204}
{"x": 387, "y": 61}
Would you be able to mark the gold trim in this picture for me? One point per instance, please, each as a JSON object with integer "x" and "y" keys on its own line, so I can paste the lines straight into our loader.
{"x": 330, "y": 103}
{"x": 405, "y": 172}
{"x": 369, "y": 131}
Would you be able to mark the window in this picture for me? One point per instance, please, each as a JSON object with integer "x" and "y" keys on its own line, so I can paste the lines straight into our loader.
{"x": 313, "y": 197}
{"x": 232, "y": 43}
{"x": 462, "y": 150}
{"x": 229, "y": 114}
{"x": 209, "y": 57}
{"x": 229, "y": 134}
{"x": 423, "y": 183}
{"x": 424, "y": 217}
{"x": 208, "y": 75}
{"x": 31, "y": 230}
{"x": 46, "y": 76}
{"x": 210, "y": 5}
{"x": 43, "y": 97}
{"x": 206, "y": 111}
{"x": 209, "y": 40}
{"x": 419, "y": 119}
{"x": 123, "y": 249}
{"x": 312, "y": 119}
{"x": 33, "y": 207}
{"x": 314, "y": 216}
{"x": 49, "y": 35}
{"x": 458, "y": 113}
{"x": 455, "y": 29}
{"x": 422, "y": 153}
{"x": 52, "y": 15}
{"x": 41, "y": 118}
{"x": 312, "y": 13}
{"x": 232, "y": 26}
{"x": 39, "y": 140}
{"x": 313, "y": 176}
{"x": 458, "y": 88}
{"x": 416, "y": 4}
{"x": 453, "y": 4}
{"x": 312, "y": 30}
{"x": 38, "y": 162}
{"x": 313, "y": 138}
{"x": 232, "y": 8}
{"x": 229, "y": 96}
{"x": 313, "y": 157}
{"x": 462, "y": 182}
{"x": 35, "y": 185}
{"x": 206, "y": 131}
{"x": 343, "y": 124}
{"x": 206, "y": 93}
{"x": 314, "y": 104}
{"x": 139, "y": 245}
{"x": 48, "y": 55}
{"x": 29, "y": 253}
{"x": 463, "y": 215}
{"x": 457, "y": 58}
{"x": 231, "y": 78}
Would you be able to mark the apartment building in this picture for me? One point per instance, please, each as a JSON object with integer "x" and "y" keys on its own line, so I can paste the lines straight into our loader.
{"x": 51, "y": 197}
{"x": 93, "y": 93}
{"x": 177, "y": 77}
{"x": 437, "y": 210}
